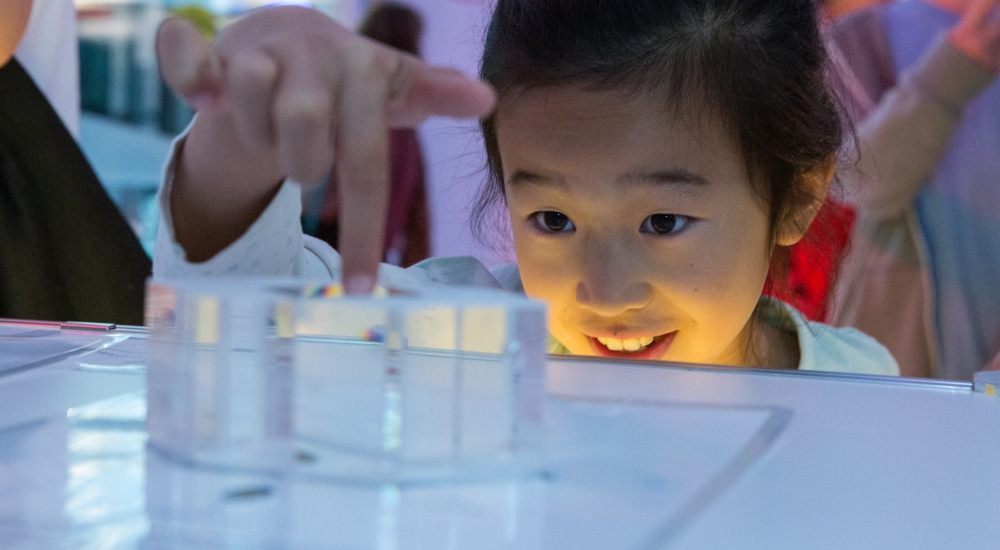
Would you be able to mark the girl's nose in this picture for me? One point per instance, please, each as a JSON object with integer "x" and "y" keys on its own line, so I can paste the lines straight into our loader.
{"x": 611, "y": 286}
{"x": 612, "y": 298}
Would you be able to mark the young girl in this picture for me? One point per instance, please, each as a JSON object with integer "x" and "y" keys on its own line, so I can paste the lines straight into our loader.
{"x": 655, "y": 159}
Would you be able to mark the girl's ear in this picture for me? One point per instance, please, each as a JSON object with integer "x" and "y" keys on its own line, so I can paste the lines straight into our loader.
{"x": 816, "y": 184}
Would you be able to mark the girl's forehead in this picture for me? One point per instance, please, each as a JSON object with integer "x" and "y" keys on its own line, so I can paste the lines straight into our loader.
{"x": 574, "y": 118}
{"x": 597, "y": 140}
{"x": 576, "y": 102}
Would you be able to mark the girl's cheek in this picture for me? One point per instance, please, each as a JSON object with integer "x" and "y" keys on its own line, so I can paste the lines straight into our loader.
{"x": 541, "y": 265}
{"x": 710, "y": 278}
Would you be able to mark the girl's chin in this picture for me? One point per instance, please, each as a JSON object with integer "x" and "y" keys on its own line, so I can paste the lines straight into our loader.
{"x": 654, "y": 351}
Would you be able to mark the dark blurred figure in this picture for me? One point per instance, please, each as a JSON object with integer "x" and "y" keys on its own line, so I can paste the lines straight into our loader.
{"x": 407, "y": 235}
{"x": 66, "y": 253}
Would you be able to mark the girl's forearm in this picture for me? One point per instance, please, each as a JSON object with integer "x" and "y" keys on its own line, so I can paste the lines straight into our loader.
{"x": 220, "y": 187}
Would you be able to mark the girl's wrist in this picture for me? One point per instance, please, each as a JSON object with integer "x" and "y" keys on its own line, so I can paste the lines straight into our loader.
{"x": 220, "y": 187}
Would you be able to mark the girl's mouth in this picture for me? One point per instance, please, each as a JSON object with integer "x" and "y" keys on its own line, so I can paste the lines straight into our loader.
{"x": 646, "y": 347}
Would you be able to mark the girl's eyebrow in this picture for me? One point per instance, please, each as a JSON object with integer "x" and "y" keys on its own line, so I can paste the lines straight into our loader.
{"x": 682, "y": 178}
{"x": 672, "y": 177}
{"x": 525, "y": 177}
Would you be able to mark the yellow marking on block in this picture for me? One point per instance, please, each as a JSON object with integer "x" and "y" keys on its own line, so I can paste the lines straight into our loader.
{"x": 332, "y": 291}
{"x": 991, "y": 390}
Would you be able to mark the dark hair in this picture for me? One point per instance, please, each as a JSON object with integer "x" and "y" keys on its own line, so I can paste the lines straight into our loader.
{"x": 393, "y": 24}
{"x": 758, "y": 64}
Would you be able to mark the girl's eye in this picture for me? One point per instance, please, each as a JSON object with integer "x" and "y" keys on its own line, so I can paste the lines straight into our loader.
{"x": 552, "y": 222}
{"x": 665, "y": 224}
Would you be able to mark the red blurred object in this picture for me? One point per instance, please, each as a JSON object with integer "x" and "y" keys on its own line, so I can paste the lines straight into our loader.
{"x": 815, "y": 260}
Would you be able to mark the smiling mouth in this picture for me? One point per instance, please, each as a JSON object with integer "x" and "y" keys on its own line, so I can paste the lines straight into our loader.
{"x": 645, "y": 347}
{"x": 630, "y": 345}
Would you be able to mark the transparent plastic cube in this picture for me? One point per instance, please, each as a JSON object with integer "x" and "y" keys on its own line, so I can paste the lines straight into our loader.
{"x": 220, "y": 372}
{"x": 269, "y": 374}
{"x": 446, "y": 382}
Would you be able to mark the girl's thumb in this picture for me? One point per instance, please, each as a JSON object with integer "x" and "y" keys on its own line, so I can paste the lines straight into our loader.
{"x": 186, "y": 63}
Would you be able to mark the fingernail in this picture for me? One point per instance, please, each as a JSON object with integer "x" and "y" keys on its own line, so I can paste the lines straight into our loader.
{"x": 359, "y": 285}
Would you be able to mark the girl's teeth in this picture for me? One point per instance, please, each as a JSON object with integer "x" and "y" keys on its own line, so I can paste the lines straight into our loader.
{"x": 632, "y": 344}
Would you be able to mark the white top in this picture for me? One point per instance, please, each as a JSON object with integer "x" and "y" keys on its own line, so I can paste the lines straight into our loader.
{"x": 275, "y": 246}
{"x": 48, "y": 51}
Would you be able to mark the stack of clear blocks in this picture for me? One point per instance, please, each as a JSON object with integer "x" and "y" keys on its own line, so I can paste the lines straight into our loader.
{"x": 438, "y": 385}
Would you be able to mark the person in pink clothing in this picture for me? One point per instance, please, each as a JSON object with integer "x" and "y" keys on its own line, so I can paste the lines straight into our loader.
{"x": 407, "y": 231}
{"x": 921, "y": 272}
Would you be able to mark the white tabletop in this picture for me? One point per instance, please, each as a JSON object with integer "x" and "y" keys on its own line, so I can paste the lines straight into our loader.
{"x": 638, "y": 456}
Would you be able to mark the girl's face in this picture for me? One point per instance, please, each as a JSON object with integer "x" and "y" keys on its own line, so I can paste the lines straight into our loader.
{"x": 639, "y": 230}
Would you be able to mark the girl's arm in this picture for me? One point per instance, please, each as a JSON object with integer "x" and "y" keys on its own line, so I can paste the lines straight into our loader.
{"x": 903, "y": 139}
{"x": 14, "y": 16}
{"x": 284, "y": 93}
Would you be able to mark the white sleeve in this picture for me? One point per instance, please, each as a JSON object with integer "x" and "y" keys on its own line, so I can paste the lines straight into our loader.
{"x": 273, "y": 246}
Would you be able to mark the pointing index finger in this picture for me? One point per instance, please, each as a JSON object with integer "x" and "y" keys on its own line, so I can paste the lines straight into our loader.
{"x": 419, "y": 90}
{"x": 361, "y": 167}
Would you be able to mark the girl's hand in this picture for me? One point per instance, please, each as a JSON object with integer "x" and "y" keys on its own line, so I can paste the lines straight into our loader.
{"x": 287, "y": 93}
{"x": 977, "y": 34}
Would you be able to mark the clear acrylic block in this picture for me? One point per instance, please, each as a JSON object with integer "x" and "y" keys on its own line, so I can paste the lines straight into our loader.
{"x": 252, "y": 373}
{"x": 444, "y": 383}
{"x": 220, "y": 372}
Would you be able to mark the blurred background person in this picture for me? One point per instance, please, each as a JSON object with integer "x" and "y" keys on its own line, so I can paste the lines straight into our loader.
{"x": 814, "y": 261}
{"x": 407, "y": 231}
{"x": 922, "y": 274}
{"x": 66, "y": 253}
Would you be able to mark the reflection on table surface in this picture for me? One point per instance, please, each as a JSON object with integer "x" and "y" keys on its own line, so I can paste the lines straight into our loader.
{"x": 634, "y": 457}
{"x": 615, "y": 475}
